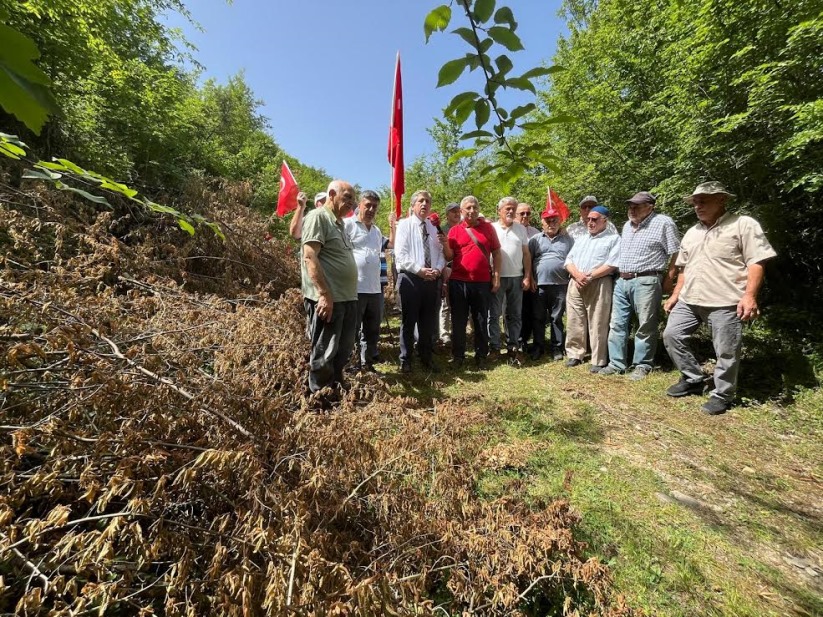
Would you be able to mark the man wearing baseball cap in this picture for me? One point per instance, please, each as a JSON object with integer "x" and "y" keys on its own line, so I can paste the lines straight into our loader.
{"x": 721, "y": 271}
{"x": 648, "y": 246}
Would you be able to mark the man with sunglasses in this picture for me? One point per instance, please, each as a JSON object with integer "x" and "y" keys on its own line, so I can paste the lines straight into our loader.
{"x": 523, "y": 215}
{"x": 580, "y": 228}
{"x": 589, "y": 296}
{"x": 648, "y": 248}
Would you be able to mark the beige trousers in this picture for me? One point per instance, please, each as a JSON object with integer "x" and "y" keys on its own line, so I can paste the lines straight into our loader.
{"x": 587, "y": 319}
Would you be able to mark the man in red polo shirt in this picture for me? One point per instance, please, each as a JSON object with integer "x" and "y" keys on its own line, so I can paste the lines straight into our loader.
{"x": 474, "y": 250}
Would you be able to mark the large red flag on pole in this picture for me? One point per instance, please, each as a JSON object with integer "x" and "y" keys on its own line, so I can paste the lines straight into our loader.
{"x": 553, "y": 202}
{"x": 398, "y": 178}
{"x": 287, "y": 199}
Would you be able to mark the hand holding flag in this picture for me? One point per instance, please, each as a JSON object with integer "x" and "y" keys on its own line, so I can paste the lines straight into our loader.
{"x": 287, "y": 199}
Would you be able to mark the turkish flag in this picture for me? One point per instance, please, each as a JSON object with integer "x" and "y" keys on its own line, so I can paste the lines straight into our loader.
{"x": 287, "y": 199}
{"x": 553, "y": 202}
{"x": 398, "y": 178}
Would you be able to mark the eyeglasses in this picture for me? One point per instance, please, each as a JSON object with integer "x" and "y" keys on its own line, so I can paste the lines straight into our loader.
{"x": 524, "y": 214}
{"x": 594, "y": 219}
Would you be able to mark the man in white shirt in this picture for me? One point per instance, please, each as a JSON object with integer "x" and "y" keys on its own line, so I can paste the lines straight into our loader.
{"x": 419, "y": 259}
{"x": 515, "y": 276}
{"x": 367, "y": 243}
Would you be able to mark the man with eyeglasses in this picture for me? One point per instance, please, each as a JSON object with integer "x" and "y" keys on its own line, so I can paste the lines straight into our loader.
{"x": 580, "y": 228}
{"x": 367, "y": 245}
{"x": 523, "y": 215}
{"x": 589, "y": 296}
{"x": 419, "y": 257}
{"x": 329, "y": 287}
{"x": 648, "y": 248}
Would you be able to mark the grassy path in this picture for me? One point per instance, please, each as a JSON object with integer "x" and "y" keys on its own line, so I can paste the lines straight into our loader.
{"x": 698, "y": 515}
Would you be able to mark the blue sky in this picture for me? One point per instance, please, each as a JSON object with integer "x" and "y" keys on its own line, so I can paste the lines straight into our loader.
{"x": 324, "y": 70}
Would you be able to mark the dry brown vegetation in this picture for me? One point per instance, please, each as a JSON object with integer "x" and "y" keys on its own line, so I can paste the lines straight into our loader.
{"x": 159, "y": 455}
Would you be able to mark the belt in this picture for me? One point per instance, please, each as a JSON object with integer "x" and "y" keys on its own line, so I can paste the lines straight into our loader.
{"x": 634, "y": 275}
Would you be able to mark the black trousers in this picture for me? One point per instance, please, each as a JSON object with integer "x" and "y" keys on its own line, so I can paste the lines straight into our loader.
{"x": 331, "y": 342}
{"x": 418, "y": 300}
{"x": 550, "y": 300}
{"x": 466, "y": 299}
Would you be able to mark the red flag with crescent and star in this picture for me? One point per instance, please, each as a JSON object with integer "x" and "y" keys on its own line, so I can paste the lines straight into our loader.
{"x": 553, "y": 202}
{"x": 287, "y": 199}
{"x": 398, "y": 178}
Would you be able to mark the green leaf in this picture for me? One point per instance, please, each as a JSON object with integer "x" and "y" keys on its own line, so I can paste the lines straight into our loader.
{"x": 505, "y": 37}
{"x": 486, "y": 45}
{"x": 12, "y": 151}
{"x": 111, "y": 185}
{"x": 504, "y": 64}
{"x": 504, "y": 16}
{"x": 12, "y": 139}
{"x": 481, "y": 112}
{"x": 52, "y": 165}
{"x": 186, "y": 226}
{"x": 42, "y": 173}
{"x": 464, "y": 110}
{"x": 467, "y": 34}
{"x": 450, "y": 71}
{"x": 438, "y": 20}
{"x": 68, "y": 165}
{"x": 461, "y": 154}
{"x": 95, "y": 198}
{"x": 155, "y": 207}
{"x": 520, "y": 84}
{"x": 522, "y": 110}
{"x": 540, "y": 71}
{"x": 459, "y": 100}
{"x": 475, "y": 134}
{"x": 483, "y": 9}
{"x": 24, "y": 88}
{"x": 558, "y": 119}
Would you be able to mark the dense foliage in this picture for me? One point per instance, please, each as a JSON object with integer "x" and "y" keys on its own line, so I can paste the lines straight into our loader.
{"x": 129, "y": 108}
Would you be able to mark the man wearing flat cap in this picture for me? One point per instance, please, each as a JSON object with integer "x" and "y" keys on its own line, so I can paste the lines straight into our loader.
{"x": 721, "y": 271}
{"x": 648, "y": 246}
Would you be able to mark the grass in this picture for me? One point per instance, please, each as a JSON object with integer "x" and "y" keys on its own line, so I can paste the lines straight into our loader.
{"x": 697, "y": 515}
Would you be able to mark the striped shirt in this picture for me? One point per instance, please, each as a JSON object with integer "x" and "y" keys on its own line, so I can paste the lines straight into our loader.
{"x": 590, "y": 252}
{"x": 649, "y": 245}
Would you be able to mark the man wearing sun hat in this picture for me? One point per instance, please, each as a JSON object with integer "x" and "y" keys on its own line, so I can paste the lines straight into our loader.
{"x": 721, "y": 271}
{"x": 549, "y": 250}
{"x": 589, "y": 296}
{"x": 648, "y": 246}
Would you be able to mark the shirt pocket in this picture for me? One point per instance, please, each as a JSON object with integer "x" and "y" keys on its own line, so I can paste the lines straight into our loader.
{"x": 726, "y": 248}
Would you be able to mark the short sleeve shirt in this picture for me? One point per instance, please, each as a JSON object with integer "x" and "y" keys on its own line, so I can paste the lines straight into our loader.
{"x": 717, "y": 259}
{"x": 549, "y": 257}
{"x": 513, "y": 240}
{"x": 590, "y": 252}
{"x": 649, "y": 245}
{"x": 367, "y": 246}
{"x": 336, "y": 256}
{"x": 470, "y": 263}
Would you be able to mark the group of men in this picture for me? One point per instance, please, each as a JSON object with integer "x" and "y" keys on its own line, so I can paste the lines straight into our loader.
{"x": 469, "y": 268}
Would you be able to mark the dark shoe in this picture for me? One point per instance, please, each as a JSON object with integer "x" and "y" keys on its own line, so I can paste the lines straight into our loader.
{"x": 354, "y": 368}
{"x": 431, "y": 367}
{"x": 494, "y": 354}
{"x": 595, "y": 368}
{"x": 715, "y": 406}
{"x": 609, "y": 370}
{"x": 457, "y": 363}
{"x": 573, "y": 362}
{"x": 370, "y": 368}
{"x": 405, "y": 367}
{"x": 684, "y": 387}
{"x": 536, "y": 354}
{"x": 480, "y": 363}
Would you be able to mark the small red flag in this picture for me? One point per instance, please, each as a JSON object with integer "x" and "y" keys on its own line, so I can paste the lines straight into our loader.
{"x": 553, "y": 202}
{"x": 398, "y": 178}
{"x": 287, "y": 199}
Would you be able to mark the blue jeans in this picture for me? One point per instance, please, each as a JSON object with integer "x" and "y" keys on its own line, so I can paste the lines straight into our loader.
{"x": 640, "y": 296}
{"x": 510, "y": 292}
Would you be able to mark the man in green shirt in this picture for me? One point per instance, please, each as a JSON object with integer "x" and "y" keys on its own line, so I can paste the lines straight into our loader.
{"x": 329, "y": 286}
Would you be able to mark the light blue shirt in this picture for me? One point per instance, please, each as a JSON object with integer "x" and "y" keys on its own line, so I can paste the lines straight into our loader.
{"x": 590, "y": 252}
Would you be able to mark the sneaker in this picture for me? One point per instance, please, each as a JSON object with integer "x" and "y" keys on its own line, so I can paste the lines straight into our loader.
{"x": 609, "y": 370}
{"x": 596, "y": 368}
{"x": 684, "y": 387}
{"x": 573, "y": 362}
{"x": 405, "y": 367}
{"x": 715, "y": 406}
{"x": 640, "y": 373}
{"x": 558, "y": 355}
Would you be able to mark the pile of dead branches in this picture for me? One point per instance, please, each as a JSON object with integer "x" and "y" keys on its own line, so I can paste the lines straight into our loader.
{"x": 158, "y": 454}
